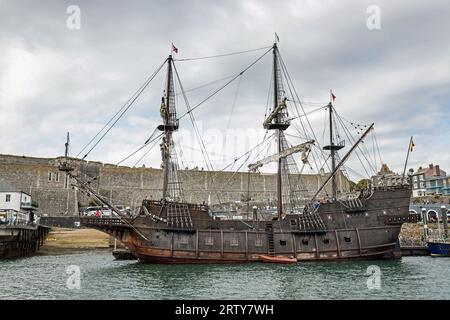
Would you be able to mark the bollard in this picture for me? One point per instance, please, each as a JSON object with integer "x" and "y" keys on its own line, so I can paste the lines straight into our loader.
{"x": 425, "y": 223}
{"x": 444, "y": 220}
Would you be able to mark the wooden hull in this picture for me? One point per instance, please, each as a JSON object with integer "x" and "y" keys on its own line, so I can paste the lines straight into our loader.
{"x": 371, "y": 233}
{"x": 157, "y": 255}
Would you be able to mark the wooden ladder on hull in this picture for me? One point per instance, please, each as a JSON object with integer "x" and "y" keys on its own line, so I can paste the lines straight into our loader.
{"x": 270, "y": 243}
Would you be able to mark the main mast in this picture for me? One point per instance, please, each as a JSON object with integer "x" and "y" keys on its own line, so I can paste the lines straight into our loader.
{"x": 275, "y": 105}
{"x": 278, "y": 121}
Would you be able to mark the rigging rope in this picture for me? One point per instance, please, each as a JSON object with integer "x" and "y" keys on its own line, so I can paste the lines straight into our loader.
{"x": 121, "y": 112}
{"x": 149, "y": 140}
{"x": 222, "y": 87}
{"x": 223, "y": 55}
{"x": 146, "y": 152}
{"x": 197, "y": 132}
{"x": 234, "y": 102}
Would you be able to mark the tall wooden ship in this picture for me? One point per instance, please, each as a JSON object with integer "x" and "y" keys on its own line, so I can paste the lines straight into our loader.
{"x": 172, "y": 230}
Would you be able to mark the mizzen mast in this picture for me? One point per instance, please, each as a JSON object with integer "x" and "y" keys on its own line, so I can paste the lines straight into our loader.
{"x": 333, "y": 148}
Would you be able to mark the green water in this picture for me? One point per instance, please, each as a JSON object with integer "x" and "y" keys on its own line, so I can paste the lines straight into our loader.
{"x": 101, "y": 277}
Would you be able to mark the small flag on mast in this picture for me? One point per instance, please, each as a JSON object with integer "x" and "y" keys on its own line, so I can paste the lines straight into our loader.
{"x": 174, "y": 49}
{"x": 277, "y": 39}
{"x": 411, "y": 146}
{"x": 333, "y": 96}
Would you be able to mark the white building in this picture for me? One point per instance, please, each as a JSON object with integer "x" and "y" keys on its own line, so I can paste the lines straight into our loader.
{"x": 15, "y": 205}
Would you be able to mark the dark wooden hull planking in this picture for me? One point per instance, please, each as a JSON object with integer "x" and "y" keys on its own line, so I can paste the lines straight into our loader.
{"x": 367, "y": 229}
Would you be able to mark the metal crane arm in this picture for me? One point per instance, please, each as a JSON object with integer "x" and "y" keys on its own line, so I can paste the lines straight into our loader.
{"x": 303, "y": 147}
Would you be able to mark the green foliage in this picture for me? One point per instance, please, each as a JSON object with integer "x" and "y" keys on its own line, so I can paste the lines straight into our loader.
{"x": 362, "y": 184}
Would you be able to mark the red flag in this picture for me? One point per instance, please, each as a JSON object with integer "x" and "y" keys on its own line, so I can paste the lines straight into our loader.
{"x": 411, "y": 146}
{"x": 333, "y": 96}
{"x": 174, "y": 49}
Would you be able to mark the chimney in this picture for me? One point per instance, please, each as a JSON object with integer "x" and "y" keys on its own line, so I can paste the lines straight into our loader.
{"x": 438, "y": 173}
{"x": 430, "y": 166}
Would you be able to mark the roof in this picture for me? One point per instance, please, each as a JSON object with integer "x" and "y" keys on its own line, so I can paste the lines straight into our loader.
{"x": 6, "y": 187}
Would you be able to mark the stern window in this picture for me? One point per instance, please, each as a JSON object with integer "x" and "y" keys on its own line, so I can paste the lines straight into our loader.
{"x": 209, "y": 241}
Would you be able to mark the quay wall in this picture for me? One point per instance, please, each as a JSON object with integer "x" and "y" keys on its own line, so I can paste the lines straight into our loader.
{"x": 128, "y": 186}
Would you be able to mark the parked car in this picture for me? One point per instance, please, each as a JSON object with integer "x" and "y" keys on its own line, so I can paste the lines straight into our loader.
{"x": 92, "y": 211}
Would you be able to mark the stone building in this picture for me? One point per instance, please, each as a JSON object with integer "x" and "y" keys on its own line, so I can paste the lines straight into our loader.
{"x": 429, "y": 181}
{"x": 127, "y": 186}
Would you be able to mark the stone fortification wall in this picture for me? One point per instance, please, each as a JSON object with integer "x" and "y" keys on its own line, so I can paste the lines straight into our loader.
{"x": 128, "y": 186}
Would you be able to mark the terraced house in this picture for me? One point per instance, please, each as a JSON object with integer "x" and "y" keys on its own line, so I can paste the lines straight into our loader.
{"x": 430, "y": 181}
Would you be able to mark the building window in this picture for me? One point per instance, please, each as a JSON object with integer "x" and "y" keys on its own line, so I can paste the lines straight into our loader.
{"x": 258, "y": 243}
{"x": 414, "y": 178}
{"x": 326, "y": 241}
{"x": 53, "y": 176}
{"x": 8, "y": 198}
{"x": 283, "y": 242}
{"x": 347, "y": 239}
{"x": 66, "y": 181}
{"x": 234, "y": 242}
{"x": 305, "y": 242}
{"x": 415, "y": 185}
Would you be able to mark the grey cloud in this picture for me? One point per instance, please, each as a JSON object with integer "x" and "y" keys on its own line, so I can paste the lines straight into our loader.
{"x": 58, "y": 80}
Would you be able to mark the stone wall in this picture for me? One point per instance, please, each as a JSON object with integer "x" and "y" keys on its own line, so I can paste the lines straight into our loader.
{"x": 128, "y": 186}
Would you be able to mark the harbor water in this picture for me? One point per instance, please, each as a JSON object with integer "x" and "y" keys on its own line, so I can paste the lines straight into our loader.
{"x": 96, "y": 275}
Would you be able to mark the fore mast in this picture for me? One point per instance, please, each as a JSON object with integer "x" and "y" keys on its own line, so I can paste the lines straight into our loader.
{"x": 172, "y": 190}
{"x": 278, "y": 121}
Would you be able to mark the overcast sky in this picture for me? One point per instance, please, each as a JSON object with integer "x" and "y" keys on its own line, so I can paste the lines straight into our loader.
{"x": 54, "y": 79}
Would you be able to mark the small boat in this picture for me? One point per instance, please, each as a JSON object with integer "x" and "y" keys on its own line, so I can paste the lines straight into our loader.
{"x": 439, "y": 247}
{"x": 277, "y": 259}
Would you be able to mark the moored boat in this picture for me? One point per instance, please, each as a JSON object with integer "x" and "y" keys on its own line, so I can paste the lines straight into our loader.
{"x": 365, "y": 225}
{"x": 277, "y": 259}
{"x": 439, "y": 248}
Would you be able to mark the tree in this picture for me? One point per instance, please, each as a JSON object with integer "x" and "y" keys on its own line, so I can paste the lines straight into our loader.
{"x": 362, "y": 184}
